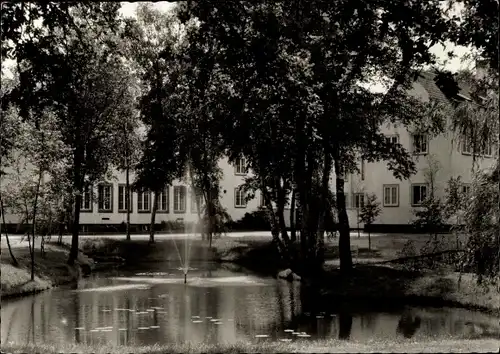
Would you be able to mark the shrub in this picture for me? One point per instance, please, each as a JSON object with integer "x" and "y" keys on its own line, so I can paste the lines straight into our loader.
{"x": 256, "y": 221}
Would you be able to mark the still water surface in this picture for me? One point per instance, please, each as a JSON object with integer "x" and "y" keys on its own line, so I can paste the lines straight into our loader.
{"x": 151, "y": 306}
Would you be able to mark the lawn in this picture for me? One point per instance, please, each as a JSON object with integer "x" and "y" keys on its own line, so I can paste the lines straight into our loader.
{"x": 306, "y": 346}
{"x": 50, "y": 270}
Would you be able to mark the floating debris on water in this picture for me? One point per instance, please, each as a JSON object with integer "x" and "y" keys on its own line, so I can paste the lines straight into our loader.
{"x": 197, "y": 321}
{"x": 304, "y": 335}
{"x": 262, "y": 336}
{"x": 122, "y": 309}
{"x": 285, "y": 339}
{"x": 289, "y": 330}
{"x": 218, "y": 323}
{"x": 150, "y": 310}
{"x": 154, "y": 326}
{"x": 195, "y": 316}
{"x": 209, "y": 317}
{"x": 94, "y": 330}
{"x": 142, "y": 327}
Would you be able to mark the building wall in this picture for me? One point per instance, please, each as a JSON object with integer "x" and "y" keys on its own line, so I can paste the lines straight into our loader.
{"x": 444, "y": 148}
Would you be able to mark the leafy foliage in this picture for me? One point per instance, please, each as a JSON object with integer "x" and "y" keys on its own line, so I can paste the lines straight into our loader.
{"x": 481, "y": 224}
{"x": 370, "y": 210}
{"x": 295, "y": 108}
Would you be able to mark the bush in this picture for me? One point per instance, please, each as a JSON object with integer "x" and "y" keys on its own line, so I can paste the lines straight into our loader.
{"x": 409, "y": 250}
{"x": 254, "y": 221}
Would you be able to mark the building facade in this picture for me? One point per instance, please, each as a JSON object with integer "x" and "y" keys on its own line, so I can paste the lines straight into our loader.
{"x": 105, "y": 203}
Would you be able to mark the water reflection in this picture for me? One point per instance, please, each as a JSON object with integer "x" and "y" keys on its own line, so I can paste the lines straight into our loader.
{"x": 409, "y": 324}
{"x": 228, "y": 312}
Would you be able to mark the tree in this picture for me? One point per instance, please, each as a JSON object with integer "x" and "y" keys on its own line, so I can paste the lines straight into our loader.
{"x": 369, "y": 212}
{"x": 8, "y": 137}
{"x": 295, "y": 109}
{"x": 128, "y": 151}
{"x": 430, "y": 215}
{"x": 454, "y": 206}
{"x": 85, "y": 84}
{"x": 152, "y": 42}
{"x": 477, "y": 25}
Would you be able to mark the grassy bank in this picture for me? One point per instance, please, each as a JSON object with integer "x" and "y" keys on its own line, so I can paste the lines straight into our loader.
{"x": 306, "y": 346}
{"x": 50, "y": 270}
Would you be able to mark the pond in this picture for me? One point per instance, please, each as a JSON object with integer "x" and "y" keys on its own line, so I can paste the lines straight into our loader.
{"x": 148, "y": 306}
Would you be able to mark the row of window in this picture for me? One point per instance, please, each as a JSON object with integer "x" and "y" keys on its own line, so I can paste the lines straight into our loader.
{"x": 420, "y": 145}
{"x": 391, "y": 195}
{"x": 145, "y": 200}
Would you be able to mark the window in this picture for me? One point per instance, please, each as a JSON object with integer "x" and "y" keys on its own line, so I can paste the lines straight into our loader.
{"x": 239, "y": 198}
{"x": 466, "y": 145}
{"x": 262, "y": 201}
{"x": 466, "y": 189}
{"x": 123, "y": 201}
{"x": 420, "y": 144}
{"x": 196, "y": 200}
{"x": 162, "y": 204}
{"x": 391, "y": 195}
{"x": 179, "y": 199}
{"x": 86, "y": 204}
{"x": 418, "y": 194}
{"x": 104, "y": 196}
{"x": 358, "y": 200}
{"x": 240, "y": 168}
{"x": 392, "y": 139}
{"x": 144, "y": 202}
{"x": 488, "y": 150}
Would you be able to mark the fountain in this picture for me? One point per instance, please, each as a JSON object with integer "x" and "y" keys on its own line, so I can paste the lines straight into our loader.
{"x": 187, "y": 248}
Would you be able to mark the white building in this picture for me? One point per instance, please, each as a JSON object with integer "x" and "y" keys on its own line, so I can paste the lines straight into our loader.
{"x": 398, "y": 198}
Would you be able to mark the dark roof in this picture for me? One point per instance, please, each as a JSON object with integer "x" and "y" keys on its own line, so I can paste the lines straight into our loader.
{"x": 427, "y": 80}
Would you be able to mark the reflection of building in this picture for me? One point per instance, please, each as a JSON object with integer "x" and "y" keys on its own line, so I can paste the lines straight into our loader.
{"x": 104, "y": 204}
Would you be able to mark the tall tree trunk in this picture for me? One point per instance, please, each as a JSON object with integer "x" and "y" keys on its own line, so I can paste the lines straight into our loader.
{"x": 280, "y": 210}
{"x": 78, "y": 179}
{"x": 325, "y": 189}
{"x": 33, "y": 225}
{"x": 275, "y": 229}
{"x": 344, "y": 238}
{"x": 4, "y": 224}
{"x": 153, "y": 217}
{"x": 127, "y": 197}
{"x": 293, "y": 233}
